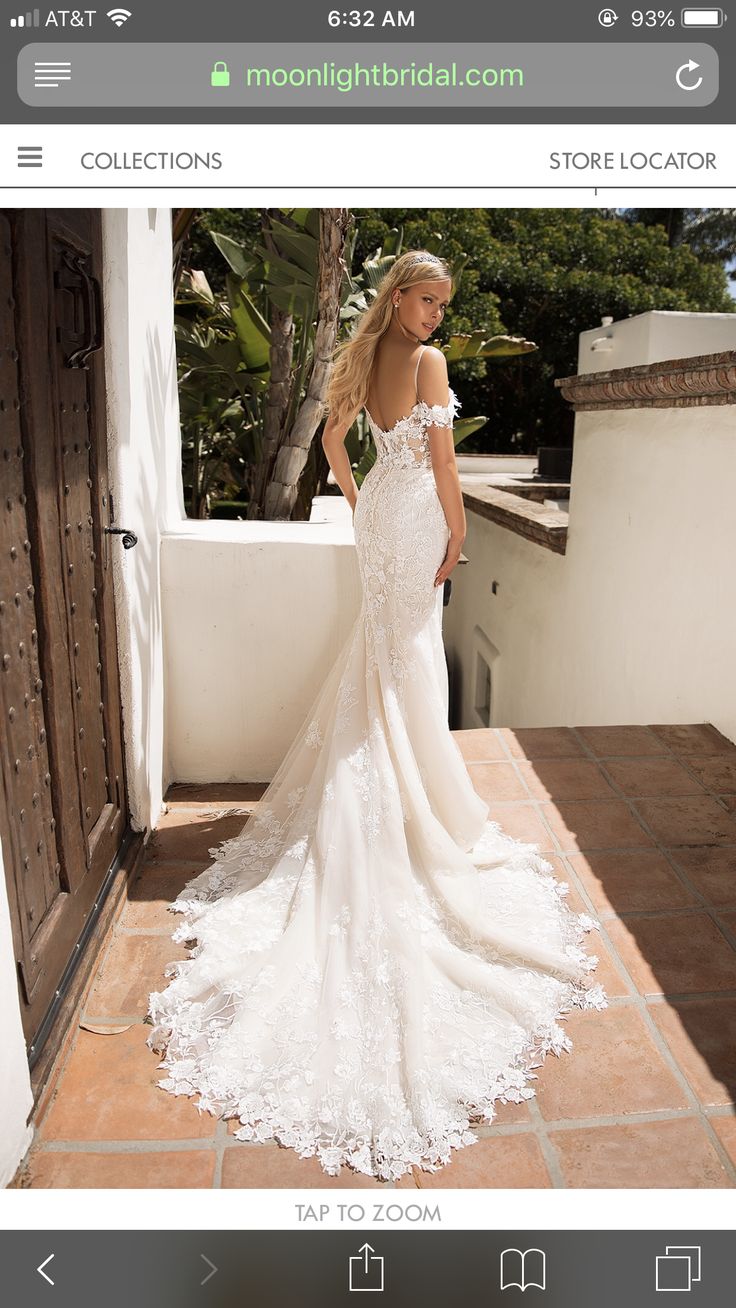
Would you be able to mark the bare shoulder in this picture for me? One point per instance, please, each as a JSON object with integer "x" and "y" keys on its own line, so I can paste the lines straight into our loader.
{"x": 432, "y": 384}
{"x": 433, "y": 363}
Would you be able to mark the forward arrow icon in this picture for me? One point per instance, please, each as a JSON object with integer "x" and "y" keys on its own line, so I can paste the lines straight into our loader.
{"x": 209, "y": 1274}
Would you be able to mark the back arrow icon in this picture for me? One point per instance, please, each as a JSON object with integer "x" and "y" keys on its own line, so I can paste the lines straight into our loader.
{"x": 689, "y": 67}
{"x": 209, "y": 1274}
{"x": 41, "y": 1267}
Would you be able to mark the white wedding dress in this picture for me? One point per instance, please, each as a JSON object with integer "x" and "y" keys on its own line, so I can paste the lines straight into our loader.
{"x": 376, "y": 962}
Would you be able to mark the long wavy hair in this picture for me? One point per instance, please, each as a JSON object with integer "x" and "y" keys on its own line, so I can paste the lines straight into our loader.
{"x": 353, "y": 358}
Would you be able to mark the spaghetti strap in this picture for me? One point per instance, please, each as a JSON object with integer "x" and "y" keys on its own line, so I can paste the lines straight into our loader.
{"x": 416, "y": 374}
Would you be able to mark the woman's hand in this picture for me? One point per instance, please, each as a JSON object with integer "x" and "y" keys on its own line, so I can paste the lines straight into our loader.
{"x": 451, "y": 559}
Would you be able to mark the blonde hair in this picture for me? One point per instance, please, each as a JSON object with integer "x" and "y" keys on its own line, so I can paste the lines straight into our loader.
{"x": 347, "y": 389}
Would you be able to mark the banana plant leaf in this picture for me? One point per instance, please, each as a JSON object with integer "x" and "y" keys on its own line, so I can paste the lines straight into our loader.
{"x": 233, "y": 254}
{"x": 194, "y": 288}
{"x": 300, "y": 246}
{"x": 253, "y": 332}
{"x": 478, "y": 346}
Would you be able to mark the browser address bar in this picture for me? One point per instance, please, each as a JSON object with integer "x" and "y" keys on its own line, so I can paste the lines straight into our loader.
{"x": 406, "y": 75}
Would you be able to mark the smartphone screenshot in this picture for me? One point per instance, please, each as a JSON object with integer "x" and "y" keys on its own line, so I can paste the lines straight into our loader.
{"x": 368, "y": 626}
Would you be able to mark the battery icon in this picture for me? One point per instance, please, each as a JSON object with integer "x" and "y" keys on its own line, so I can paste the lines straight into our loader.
{"x": 702, "y": 18}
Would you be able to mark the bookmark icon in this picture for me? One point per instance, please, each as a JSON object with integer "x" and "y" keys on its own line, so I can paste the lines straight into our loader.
{"x": 514, "y": 1269}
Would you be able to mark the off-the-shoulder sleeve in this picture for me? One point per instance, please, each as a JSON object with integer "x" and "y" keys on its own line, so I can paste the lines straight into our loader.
{"x": 440, "y": 415}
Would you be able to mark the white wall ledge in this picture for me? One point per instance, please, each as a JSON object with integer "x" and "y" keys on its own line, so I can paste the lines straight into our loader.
{"x": 225, "y": 532}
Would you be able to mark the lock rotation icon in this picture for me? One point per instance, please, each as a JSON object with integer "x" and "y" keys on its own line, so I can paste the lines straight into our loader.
{"x": 220, "y": 74}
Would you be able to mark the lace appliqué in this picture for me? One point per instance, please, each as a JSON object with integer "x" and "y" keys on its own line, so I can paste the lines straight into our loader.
{"x": 481, "y": 1043}
{"x": 313, "y": 738}
{"x": 347, "y": 700}
{"x": 372, "y": 963}
{"x": 406, "y": 445}
{"x": 401, "y": 534}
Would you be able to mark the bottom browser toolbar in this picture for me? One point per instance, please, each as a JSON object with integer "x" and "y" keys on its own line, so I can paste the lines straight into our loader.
{"x": 561, "y": 1269}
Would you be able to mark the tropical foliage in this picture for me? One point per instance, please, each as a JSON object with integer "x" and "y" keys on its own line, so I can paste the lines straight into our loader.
{"x": 258, "y": 289}
{"x": 247, "y": 363}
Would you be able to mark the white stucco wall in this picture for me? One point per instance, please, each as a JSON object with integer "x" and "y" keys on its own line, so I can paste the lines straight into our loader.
{"x": 636, "y": 622}
{"x": 653, "y": 337}
{"x": 144, "y": 456}
{"x": 254, "y": 615}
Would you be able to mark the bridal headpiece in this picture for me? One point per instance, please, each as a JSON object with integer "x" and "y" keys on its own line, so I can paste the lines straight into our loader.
{"x": 423, "y": 258}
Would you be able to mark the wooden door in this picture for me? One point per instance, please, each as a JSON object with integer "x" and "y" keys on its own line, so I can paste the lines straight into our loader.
{"x": 63, "y": 813}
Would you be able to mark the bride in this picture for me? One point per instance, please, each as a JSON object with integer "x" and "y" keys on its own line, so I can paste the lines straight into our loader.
{"x": 376, "y": 962}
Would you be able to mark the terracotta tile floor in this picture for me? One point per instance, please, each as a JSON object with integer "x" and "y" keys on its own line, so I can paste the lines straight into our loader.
{"x": 639, "y": 820}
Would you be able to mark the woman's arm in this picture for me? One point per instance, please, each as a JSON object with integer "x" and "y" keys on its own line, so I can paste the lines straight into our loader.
{"x": 333, "y": 444}
{"x": 434, "y": 389}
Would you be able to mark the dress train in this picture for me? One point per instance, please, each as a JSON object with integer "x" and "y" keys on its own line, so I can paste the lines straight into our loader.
{"x": 376, "y": 963}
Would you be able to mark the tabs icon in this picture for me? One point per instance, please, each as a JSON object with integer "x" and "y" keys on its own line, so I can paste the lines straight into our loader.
{"x": 678, "y": 1267}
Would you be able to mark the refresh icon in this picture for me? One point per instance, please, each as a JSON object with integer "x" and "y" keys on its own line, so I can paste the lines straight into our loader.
{"x": 686, "y": 69}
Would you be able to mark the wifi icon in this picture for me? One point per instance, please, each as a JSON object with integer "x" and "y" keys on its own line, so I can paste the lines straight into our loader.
{"x": 119, "y": 16}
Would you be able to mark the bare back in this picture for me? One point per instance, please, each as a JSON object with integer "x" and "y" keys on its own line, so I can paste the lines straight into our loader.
{"x": 392, "y": 388}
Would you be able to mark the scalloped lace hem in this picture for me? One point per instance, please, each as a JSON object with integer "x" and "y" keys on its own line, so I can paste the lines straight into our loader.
{"x": 425, "y": 1128}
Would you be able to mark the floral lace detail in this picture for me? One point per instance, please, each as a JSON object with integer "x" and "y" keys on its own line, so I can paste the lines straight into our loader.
{"x": 399, "y": 534}
{"x": 347, "y": 1095}
{"x": 406, "y": 444}
{"x": 313, "y": 738}
{"x": 372, "y": 963}
{"x": 347, "y": 701}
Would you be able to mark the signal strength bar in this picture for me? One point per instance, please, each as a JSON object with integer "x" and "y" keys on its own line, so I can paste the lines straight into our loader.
{"x": 27, "y": 20}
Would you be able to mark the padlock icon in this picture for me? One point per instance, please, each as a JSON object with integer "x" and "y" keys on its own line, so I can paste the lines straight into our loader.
{"x": 220, "y": 74}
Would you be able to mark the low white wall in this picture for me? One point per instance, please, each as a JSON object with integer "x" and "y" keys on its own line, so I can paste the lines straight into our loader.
{"x": 653, "y": 337}
{"x": 636, "y": 623}
{"x": 254, "y": 615}
{"x": 482, "y": 464}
